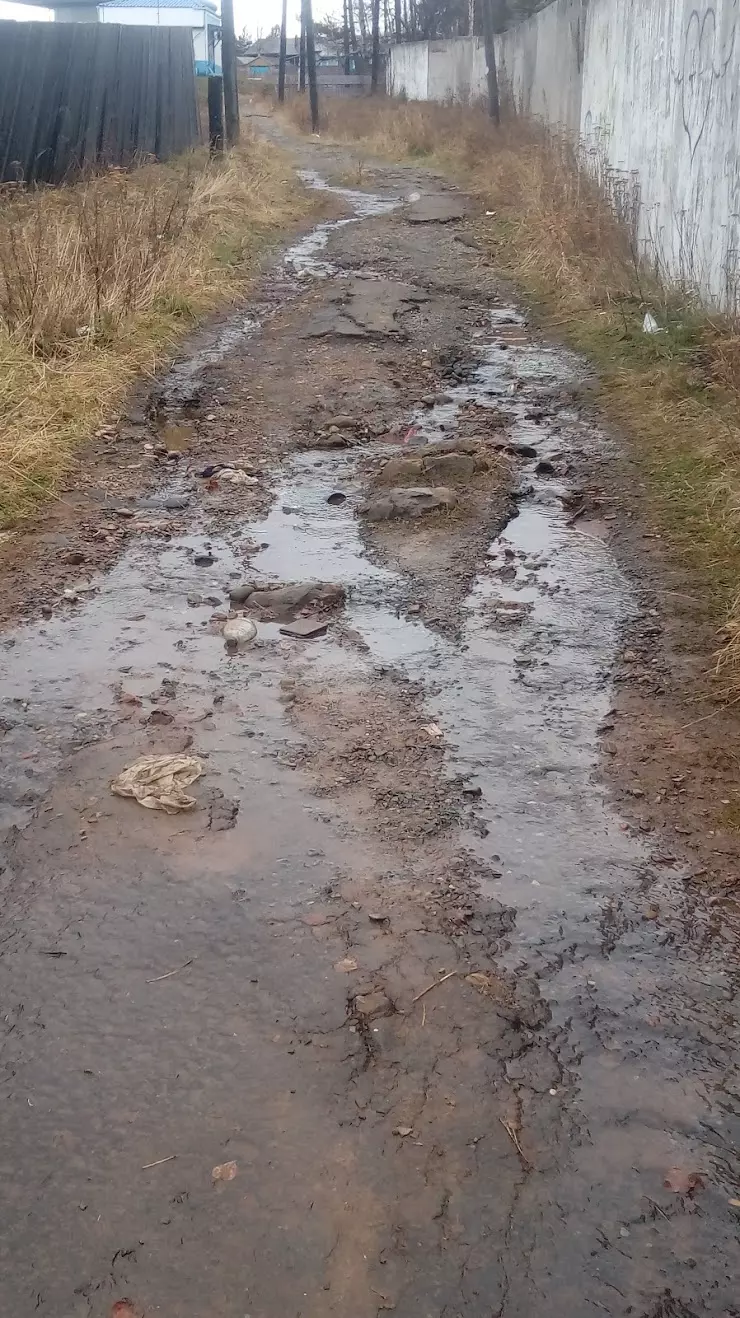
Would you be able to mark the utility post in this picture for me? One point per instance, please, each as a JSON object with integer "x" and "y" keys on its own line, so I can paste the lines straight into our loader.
{"x": 228, "y": 60}
{"x": 215, "y": 115}
{"x": 313, "y": 90}
{"x": 283, "y": 52}
{"x": 494, "y": 107}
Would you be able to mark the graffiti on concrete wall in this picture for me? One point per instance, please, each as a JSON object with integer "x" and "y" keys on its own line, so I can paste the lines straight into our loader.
{"x": 705, "y": 58}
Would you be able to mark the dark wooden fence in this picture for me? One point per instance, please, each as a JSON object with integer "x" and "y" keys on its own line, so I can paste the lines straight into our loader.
{"x": 77, "y": 95}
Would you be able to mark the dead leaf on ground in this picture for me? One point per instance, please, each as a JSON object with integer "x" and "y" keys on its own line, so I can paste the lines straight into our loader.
{"x": 346, "y": 964}
{"x": 226, "y": 1171}
{"x": 680, "y": 1181}
{"x": 403, "y": 1131}
{"x": 479, "y": 980}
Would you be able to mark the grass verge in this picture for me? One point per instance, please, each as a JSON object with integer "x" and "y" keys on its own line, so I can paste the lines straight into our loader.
{"x": 566, "y": 237}
{"x": 99, "y": 281}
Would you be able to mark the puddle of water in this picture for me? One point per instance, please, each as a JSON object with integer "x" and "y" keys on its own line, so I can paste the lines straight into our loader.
{"x": 303, "y": 258}
{"x": 177, "y": 435}
{"x": 520, "y": 698}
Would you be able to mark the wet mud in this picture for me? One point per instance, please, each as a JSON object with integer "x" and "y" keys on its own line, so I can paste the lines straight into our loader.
{"x": 405, "y": 1015}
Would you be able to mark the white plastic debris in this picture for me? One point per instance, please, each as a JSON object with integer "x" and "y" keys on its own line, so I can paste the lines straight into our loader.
{"x": 240, "y": 631}
{"x": 650, "y": 324}
{"x": 158, "y": 782}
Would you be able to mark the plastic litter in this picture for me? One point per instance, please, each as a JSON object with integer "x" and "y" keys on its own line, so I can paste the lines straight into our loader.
{"x": 650, "y": 324}
{"x": 158, "y": 782}
{"x": 239, "y": 631}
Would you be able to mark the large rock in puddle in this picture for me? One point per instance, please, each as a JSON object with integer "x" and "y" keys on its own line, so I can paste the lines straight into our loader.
{"x": 412, "y": 501}
{"x": 453, "y": 460}
{"x": 283, "y": 602}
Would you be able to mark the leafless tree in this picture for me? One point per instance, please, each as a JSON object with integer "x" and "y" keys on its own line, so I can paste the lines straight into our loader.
{"x": 283, "y": 52}
{"x": 375, "y": 67}
{"x": 313, "y": 90}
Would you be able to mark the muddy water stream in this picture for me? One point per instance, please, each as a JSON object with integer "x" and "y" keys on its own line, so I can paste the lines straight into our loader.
{"x": 519, "y": 696}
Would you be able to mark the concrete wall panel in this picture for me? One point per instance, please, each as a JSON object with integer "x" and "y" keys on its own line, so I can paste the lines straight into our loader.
{"x": 652, "y": 89}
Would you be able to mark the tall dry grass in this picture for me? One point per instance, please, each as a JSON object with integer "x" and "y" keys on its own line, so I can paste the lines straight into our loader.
{"x": 98, "y": 282}
{"x": 566, "y": 234}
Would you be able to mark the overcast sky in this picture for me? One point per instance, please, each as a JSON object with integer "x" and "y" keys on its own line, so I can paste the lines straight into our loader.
{"x": 252, "y": 14}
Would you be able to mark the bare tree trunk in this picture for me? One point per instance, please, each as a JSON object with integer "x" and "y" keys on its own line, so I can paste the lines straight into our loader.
{"x": 228, "y": 62}
{"x": 363, "y": 28}
{"x": 313, "y": 90}
{"x": 353, "y": 35}
{"x": 345, "y": 38}
{"x": 283, "y": 52}
{"x": 494, "y": 108}
{"x": 399, "y": 28}
{"x": 375, "y": 69}
{"x": 302, "y": 56}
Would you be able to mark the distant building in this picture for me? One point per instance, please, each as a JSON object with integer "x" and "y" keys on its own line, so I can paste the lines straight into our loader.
{"x": 201, "y": 15}
{"x": 261, "y": 59}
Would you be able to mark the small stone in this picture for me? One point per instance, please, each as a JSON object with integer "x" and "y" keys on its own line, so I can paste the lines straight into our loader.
{"x": 372, "y": 1004}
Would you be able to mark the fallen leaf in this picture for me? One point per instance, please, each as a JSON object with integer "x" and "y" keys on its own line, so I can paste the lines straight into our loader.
{"x": 479, "y": 980}
{"x": 225, "y": 1172}
{"x": 403, "y": 1131}
{"x": 346, "y": 964}
{"x": 682, "y": 1182}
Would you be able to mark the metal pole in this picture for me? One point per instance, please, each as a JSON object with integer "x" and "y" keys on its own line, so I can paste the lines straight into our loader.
{"x": 228, "y": 60}
{"x": 216, "y": 115}
{"x": 283, "y": 42}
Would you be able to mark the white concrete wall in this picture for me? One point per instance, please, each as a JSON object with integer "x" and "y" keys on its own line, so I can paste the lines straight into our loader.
{"x": 407, "y": 71}
{"x": 651, "y": 87}
{"x": 541, "y": 62}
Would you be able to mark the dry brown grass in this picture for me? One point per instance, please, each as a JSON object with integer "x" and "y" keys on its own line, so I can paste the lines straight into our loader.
{"x": 565, "y": 235}
{"x": 98, "y": 282}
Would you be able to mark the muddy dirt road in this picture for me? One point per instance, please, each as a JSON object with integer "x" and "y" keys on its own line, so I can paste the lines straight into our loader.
{"x": 404, "y": 1015}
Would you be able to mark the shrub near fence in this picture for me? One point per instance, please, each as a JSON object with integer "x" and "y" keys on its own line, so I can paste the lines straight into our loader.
{"x": 77, "y": 95}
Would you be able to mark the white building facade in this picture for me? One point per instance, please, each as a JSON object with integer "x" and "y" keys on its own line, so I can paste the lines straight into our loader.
{"x": 203, "y": 18}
